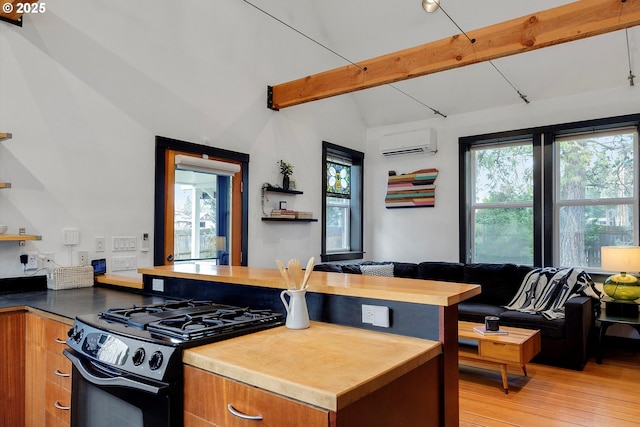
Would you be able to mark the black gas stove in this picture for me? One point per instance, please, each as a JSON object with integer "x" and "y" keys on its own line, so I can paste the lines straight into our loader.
{"x": 127, "y": 362}
{"x": 148, "y": 340}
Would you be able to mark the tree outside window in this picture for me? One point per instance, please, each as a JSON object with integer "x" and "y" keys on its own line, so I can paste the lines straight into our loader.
{"x": 550, "y": 196}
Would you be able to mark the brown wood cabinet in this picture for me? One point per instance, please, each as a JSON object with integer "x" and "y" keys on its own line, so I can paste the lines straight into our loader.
{"x": 209, "y": 408}
{"x": 48, "y": 402}
{"x": 410, "y": 400}
{"x": 12, "y": 368}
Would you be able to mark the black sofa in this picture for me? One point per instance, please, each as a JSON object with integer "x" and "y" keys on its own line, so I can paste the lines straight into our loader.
{"x": 565, "y": 342}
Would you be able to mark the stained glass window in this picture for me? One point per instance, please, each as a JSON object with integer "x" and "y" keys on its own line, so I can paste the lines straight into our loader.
{"x": 338, "y": 180}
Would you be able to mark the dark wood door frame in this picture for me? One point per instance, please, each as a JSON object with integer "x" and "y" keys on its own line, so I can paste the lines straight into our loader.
{"x": 166, "y": 149}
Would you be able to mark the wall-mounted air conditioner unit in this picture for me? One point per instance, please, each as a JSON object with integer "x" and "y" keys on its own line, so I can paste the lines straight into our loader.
{"x": 421, "y": 141}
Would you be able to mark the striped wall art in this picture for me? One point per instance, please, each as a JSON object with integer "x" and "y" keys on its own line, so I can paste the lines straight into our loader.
{"x": 412, "y": 190}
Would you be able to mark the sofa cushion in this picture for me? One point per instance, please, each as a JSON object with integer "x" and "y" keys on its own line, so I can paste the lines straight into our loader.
{"x": 472, "y": 312}
{"x": 383, "y": 270}
{"x": 407, "y": 270}
{"x": 351, "y": 268}
{"x": 549, "y": 328}
{"x": 499, "y": 282}
{"x": 445, "y": 271}
{"x": 332, "y": 268}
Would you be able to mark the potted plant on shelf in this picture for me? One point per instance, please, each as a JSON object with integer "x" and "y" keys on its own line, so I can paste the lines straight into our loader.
{"x": 286, "y": 169}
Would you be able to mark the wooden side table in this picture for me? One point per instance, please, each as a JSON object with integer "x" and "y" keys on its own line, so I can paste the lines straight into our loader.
{"x": 519, "y": 346}
{"x": 605, "y": 320}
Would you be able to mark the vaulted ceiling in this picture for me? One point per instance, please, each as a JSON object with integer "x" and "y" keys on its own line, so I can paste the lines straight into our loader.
{"x": 359, "y": 30}
{"x": 338, "y": 33}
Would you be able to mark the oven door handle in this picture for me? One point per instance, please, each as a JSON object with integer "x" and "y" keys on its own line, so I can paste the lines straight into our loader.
{"x": 109, "y": 381}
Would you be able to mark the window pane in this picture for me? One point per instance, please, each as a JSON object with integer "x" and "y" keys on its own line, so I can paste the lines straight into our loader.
{"x": 584, "y": 229}
{"x": 338, "y": 179}
{"x": 503, "y": 235}
{"x": 503, "y": 174}
{"x": 597, "y": 167}
{"x": 197, "y": 233}
{"x": 337, "y": 238}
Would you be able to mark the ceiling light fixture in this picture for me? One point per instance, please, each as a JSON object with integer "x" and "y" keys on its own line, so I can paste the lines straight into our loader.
{"x": 430, "y": 6}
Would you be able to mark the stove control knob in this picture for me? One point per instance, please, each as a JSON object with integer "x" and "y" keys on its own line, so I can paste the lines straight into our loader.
{"x": 155, "y": 361}
{"x": 77, "y": 336}
{"x": 138, "y": 356}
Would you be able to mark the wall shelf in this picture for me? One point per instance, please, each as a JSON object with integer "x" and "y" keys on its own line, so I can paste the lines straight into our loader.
{"x": 290, "y": 219}
{"x": 18, "y": 237}
{"x": 281, "y": 190}
{"x": 14, "y": 237}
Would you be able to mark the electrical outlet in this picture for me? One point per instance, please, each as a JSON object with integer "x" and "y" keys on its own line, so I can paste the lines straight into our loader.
{"x": 47, "y": 260}
{"x": 32, "y": 261}
{"x": 375, "y": 315}
{"x": 83, "y": 258}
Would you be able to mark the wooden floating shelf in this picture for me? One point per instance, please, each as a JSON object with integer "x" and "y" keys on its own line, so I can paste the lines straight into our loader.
{"x": 18, "y": 237}
{"x": 290, "y": 219}
{"x": 281, "y": 190}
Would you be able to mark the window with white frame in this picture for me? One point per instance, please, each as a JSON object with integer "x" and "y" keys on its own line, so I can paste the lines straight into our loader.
{"x": 552, "y": 195}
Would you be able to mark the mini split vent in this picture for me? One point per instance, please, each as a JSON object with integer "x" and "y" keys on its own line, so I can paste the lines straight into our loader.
{"x": 421, "y": 141}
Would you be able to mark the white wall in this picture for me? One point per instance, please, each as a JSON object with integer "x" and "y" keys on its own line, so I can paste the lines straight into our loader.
{"x": 431, "y": 234}
{"x": 86, "y": 86}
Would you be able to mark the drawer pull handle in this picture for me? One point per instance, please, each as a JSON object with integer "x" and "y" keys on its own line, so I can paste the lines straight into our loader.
{"x": 241, "y": 415}
{"x": 59, "y": 341}
{"x": 61, "y": 374}
{"x": 58, "y": 405}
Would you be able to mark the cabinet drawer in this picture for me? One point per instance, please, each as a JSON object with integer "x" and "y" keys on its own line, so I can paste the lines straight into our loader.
{"x": 212, "y": 405}
{"x": 499, "y": 351}
{"x": 58, "y": 370}
{"x": 55, "y": 336}
{"x": 56, "y": 399}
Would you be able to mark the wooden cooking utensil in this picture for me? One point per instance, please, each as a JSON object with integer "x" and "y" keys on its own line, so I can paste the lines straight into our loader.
{"x": 295, "y": 270}
{"x": 284, "y": 274}
{"x": 307, "y": 272}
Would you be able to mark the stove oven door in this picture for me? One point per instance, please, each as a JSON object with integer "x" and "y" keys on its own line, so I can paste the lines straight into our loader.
{"x": 104, "y": 398}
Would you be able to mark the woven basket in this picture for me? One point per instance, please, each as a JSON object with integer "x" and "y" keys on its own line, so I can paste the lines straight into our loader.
{"x": 71, "y": 277}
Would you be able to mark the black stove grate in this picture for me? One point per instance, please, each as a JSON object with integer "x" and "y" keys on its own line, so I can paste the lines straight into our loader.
{"x": 190, "y": 320}
{"x": 190, "y": 327}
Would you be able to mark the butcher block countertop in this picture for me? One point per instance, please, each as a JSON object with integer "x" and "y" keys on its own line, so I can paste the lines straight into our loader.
{"x": 325, "y": 365}
{"x": 385, "y": 288}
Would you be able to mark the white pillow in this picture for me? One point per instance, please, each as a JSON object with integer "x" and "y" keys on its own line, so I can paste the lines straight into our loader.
{"x": 382, "y": 270}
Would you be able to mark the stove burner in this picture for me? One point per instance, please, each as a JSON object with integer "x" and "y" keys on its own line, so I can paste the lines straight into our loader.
{"x": 188, "y": 320}
{"x": 222, "y": 321}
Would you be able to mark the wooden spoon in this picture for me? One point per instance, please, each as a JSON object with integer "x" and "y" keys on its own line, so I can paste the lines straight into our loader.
{"x": 295, "y": 270}
{"x": 307, "y": 272}
{"x": 284, "y": 274}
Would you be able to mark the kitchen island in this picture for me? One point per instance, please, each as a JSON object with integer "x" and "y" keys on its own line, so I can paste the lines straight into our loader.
{"x": 419, "y": 308}
{"x": 319, "y": 376}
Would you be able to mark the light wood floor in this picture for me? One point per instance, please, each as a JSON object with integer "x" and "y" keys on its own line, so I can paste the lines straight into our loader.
{"x": 606, "y": 395}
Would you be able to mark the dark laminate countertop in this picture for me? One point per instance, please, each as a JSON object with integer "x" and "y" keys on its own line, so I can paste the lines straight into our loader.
{"x": 70, "y": 303}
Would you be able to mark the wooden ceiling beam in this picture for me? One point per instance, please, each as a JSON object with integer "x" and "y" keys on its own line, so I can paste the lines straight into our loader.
{"x": 570, "y": 22}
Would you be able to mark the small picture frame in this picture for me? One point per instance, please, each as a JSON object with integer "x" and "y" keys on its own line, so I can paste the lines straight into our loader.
{"x": 292, "y": 184}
